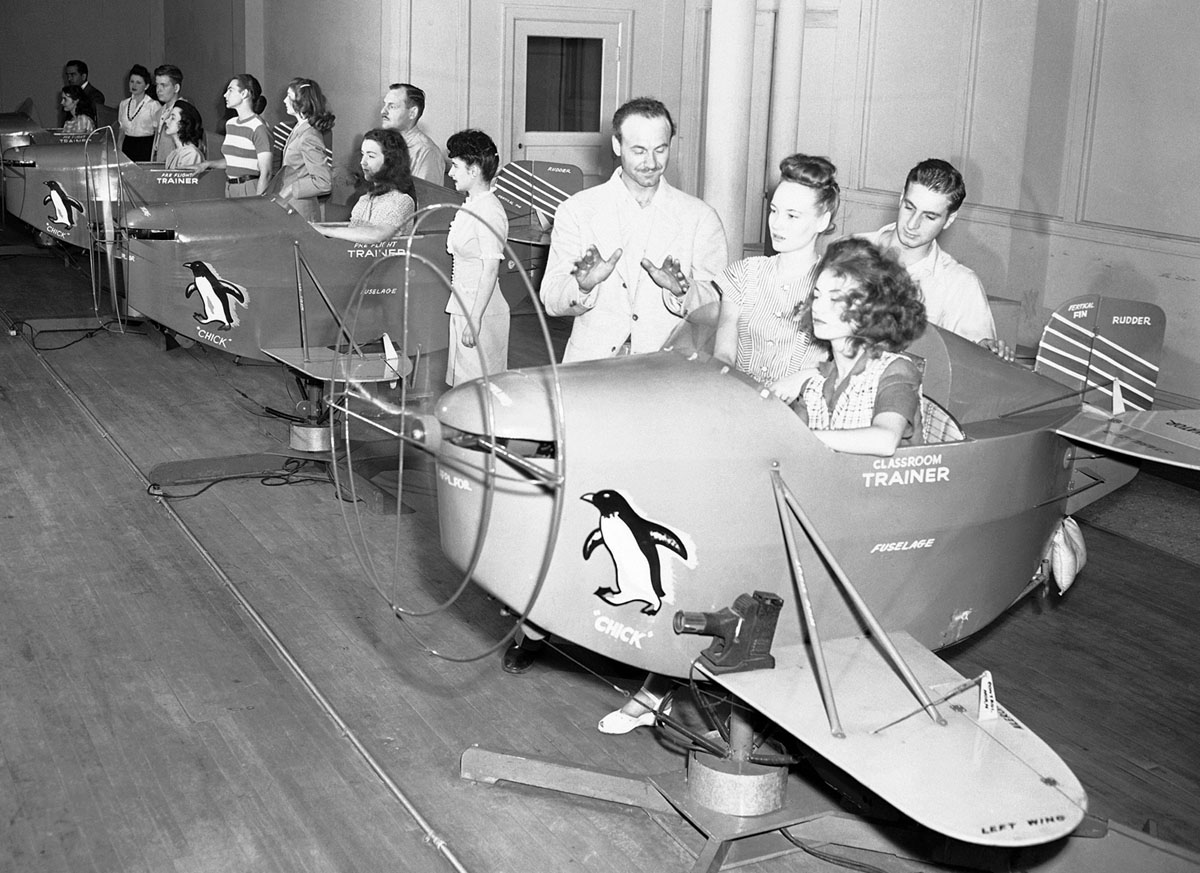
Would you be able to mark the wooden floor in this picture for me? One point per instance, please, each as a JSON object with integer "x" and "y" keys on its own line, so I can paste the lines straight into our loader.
{"x": 150, "y": 722}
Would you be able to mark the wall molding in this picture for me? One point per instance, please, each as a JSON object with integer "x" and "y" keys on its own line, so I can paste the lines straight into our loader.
{"x": 1089, "y": 112}
{"x": 1045, "y": 225}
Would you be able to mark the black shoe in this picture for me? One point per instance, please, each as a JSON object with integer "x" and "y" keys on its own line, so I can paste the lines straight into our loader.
{"x": 519, "y": 657}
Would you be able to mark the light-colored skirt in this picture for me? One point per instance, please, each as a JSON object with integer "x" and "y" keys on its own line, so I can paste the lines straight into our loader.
{"x": 490, "y": 354}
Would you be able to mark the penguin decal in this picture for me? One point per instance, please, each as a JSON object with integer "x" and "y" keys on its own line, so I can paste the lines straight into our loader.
{"x": 65, "y": 206}
{"x": 633, "y": 543}
{"x": 216, "y": 294}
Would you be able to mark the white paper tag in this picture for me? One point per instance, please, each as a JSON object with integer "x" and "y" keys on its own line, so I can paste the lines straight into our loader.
{"x": 987, "y": 697}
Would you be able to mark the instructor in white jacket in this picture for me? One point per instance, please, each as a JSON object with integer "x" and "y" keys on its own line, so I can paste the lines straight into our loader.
{"x": 626, "y": 255}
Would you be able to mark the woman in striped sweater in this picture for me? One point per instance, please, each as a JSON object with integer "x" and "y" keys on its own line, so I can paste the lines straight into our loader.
{"x": 246, "y": 149}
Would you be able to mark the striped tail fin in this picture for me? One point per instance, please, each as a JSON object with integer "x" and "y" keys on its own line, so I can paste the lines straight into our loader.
{"x": 1094, "y": 343}
{"x": 528, "y": 187}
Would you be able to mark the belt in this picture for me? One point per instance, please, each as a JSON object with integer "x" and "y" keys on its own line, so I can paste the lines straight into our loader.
{"x": 237, "y": 180}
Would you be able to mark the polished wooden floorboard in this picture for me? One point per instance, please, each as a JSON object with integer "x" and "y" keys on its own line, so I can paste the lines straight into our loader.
{"x": 146, "y": 723}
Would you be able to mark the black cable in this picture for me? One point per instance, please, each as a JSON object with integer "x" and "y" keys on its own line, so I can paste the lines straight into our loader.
{"x": 829, "y": 857}
{"x": 288, "y": 474}
{"x": 90, "y": 332}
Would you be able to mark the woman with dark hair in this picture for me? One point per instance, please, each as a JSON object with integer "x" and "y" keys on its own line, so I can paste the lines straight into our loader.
{"x": 138, "y": 116}
{"x": 246, "y": 149}
{"x": 307, "y": 170}
{"x": 185, "y": 129}
{"x": 763, "y": 298}
{"x": 81, "y": 113}
{"x": 391, "y": 199}
{"x": 479, "y": 319}
{"x": 866, "y": 309}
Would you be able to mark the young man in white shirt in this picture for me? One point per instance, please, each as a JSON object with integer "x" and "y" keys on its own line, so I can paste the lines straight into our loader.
{"x": 954, "y": 296}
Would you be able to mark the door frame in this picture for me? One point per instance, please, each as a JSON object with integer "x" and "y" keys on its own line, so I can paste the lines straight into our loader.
{"x": 515, "y": 15}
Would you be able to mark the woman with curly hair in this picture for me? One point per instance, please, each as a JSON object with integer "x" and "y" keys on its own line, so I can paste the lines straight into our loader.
{"x": 81, "y": 112}
{"x": 307, "y": 169}
{"x": 391, "y": 199}
{"x": 866, "y": 309}
{"x": 185, "y": 129}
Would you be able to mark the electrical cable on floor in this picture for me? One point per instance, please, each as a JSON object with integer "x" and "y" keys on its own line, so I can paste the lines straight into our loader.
{"x": 17, "y": 328}
{"x": 288, "y": 474}
{"x": 829, "y": 857}
{"x": 431, "y": 836}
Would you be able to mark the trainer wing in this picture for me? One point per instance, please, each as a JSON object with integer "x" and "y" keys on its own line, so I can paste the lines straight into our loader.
{"x": 1168, "y": 437}
{"x": 977, "y": 774}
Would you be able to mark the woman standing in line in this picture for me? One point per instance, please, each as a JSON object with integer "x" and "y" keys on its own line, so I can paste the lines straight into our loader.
{"x": 763, "y": 299}
{"x": 138, "y": 116}
{"x": 479, "y": 318}
{"x": 307, "y": 174}
{"x": 246, "y": 149}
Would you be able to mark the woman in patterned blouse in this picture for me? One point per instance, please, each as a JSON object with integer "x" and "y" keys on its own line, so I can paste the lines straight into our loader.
{"x": 763, "y": 299}
{"x": 865, "y": 400}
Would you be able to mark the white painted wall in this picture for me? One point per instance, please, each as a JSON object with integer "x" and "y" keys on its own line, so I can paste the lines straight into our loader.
{"x": 1072, "y": 122}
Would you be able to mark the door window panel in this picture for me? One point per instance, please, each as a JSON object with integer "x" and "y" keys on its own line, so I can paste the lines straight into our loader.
{"x": 563, "y": 84}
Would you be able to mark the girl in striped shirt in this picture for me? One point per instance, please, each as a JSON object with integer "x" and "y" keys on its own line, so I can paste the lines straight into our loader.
{"x": 246, "y": 149}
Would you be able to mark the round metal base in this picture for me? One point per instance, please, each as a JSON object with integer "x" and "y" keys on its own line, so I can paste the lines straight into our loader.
{"x": 310, "y": 439}
{"x": 735, "y": 787}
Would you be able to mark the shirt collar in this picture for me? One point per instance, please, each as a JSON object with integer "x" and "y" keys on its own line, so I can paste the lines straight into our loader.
{"x": 661, "y": 193}
{"x": 927, "y": 266}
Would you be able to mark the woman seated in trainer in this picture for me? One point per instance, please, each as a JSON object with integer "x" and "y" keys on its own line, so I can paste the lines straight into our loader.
{"x": 387, "y": 208}
{"x": 81, "y": 113}
{"x": 185, "y": 129}
{"x": 866, "y": 400}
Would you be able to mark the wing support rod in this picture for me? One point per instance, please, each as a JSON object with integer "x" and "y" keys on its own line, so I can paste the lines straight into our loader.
{"x": 810, "y": 620}
{"x": 857, "y": 603}
{"x": 302, "y": 262}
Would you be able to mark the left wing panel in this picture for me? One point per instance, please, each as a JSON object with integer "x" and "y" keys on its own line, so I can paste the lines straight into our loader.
{"x": 990, "y": 781}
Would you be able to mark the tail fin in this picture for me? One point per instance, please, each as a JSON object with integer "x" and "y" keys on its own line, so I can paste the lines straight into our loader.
{"x": 26, "y": 109}
{"x": 529, "y": 187}
{"x": 1092, "y": 343}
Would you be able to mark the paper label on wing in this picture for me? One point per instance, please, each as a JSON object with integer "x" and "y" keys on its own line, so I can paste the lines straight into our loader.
{"x": 1169, "y": 437}
{"x": 991, "y": 782}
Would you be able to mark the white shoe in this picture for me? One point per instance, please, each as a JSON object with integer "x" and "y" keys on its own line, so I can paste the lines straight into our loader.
{"x": 622, "y": 722}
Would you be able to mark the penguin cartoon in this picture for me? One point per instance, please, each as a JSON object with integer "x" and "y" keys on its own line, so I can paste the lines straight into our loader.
{"x": 216, "y": 294}
{"x": 632, "y": 542}
{"x": 65, "y": 206}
